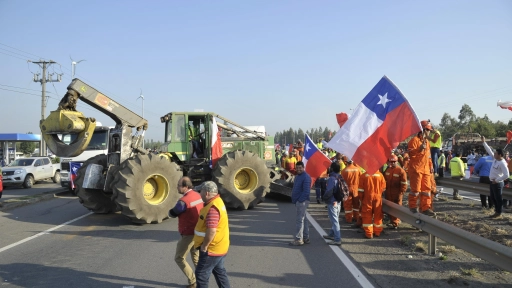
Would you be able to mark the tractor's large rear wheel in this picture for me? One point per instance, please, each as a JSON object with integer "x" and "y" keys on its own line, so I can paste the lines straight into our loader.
{"x": 95, "y": 200}
{"x": 243, "y": 179}
{"x": 145, "y": 188}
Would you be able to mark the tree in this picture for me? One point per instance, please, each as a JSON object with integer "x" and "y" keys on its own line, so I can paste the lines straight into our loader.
{"x": 466, "y": 116}
{"x": 484, "y": 127}
{"x": 300, "y": 135}
{"x": 27, "y": 147}
{"x": 448, "y": 126}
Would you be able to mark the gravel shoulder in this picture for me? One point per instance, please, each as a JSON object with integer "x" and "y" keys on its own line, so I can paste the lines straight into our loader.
{"x": 399, "y": 259}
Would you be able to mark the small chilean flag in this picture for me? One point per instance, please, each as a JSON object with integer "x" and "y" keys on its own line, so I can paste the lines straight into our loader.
{"x": 315, "y": 162}
{"x": 216, "y": 144}
{"x": 379, "y": 123}
{"x": 73, "y": 167}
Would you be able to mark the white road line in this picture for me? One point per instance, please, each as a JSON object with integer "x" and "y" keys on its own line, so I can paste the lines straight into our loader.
{"x": 342, "y": 256}
{"x": 42, "y": 233}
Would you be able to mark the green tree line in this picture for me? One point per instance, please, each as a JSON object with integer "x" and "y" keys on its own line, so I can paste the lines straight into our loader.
{"x": 291, "y": 136}
{"x": 468, "y": 122}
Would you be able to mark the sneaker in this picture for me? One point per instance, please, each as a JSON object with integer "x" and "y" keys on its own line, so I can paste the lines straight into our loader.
{"x": 317, "y": 201}
{"x": 457, "y": 197}
{"x": 328, "y": 237}
{"x": 495, "y": 215}
{"x": 429, "y": 212}
{"x": 413, "y": 210}
{"x": 307, "y": 241}
{"x": 334, "y": 243}
{"x": 371, "y": 237}
{"x": 192, "y": 285}
{"x": 296, "y": 243}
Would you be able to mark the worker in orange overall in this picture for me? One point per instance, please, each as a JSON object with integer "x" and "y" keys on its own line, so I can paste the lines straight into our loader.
{"x": 289, "y": 162}
{"x": 420, "y": 171}
{"x": 396, "y": 184}
{"x": 371, "y": 187}
{"x": 351, "y": 175}
{"x": 405, "y": 162}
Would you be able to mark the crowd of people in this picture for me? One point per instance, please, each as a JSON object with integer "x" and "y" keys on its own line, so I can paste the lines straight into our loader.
{"x": 416, "y": 167}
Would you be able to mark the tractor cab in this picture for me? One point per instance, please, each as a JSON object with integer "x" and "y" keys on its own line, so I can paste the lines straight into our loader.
{"x": 187, "y": 135}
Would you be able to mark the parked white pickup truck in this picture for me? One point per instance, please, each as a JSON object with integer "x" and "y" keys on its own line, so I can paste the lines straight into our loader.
{"x": 26, "y": 171}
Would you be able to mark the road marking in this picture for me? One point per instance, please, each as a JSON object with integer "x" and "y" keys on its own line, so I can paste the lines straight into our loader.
{"x": 43, "y": 233}
{"x": 342, "y": 256}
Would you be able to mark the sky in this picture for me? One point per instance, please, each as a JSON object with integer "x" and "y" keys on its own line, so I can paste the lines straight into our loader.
{"x": 281, "y": 64}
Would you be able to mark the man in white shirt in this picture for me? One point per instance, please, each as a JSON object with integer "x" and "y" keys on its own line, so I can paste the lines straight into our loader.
{"x": 499, "y": 172}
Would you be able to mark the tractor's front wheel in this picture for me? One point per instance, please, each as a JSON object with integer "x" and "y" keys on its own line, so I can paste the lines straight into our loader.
{"x": 96, "y": 200}
{"x": 145, "y": 188}
{"x": 243, "y": 179}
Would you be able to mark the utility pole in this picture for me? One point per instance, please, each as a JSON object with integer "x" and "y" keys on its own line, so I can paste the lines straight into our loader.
{"x": 142, "y": 96}
{"x": 43, "y": 80}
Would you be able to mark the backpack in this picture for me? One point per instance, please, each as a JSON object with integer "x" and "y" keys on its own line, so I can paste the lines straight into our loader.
{"x": 340, "y": 191}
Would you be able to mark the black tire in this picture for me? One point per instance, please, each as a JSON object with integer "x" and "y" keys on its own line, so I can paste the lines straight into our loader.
{"x": 96, "y": 200}
{"x": 29, "y": 181}
{"x": 145, "y": 188}
{"x": 243, "y": 179}
{"x": 56, "y": 177}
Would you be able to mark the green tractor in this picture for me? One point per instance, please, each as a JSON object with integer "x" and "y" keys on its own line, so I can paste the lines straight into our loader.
{"x": 141, "y": 184}
{"x": 243, "y": 173}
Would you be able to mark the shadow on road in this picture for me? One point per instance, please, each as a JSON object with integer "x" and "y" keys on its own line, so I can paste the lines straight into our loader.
{"x": 34, "y": 275}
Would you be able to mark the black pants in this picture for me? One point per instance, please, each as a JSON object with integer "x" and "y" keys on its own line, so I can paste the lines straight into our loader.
{"x": 486, "y": 180}
{"x": 440, "y": 171}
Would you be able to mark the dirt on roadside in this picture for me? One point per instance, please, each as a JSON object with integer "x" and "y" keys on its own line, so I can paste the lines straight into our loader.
{"x": 398, "y": 258}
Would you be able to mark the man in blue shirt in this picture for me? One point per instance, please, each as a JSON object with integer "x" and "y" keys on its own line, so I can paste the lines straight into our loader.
{"x": 300, "y": 197}
{"x": 483, "y": 169}
{"x": 333, "y": 206}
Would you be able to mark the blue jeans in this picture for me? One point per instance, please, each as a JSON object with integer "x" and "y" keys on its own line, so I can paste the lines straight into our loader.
{"x": 435, "y": 153}
{"x": 301, "y": 221}
{"x": 208, "y": 264}
{"x": 496, "y": 196}
{"x": 320, "y": 186}
{"x": 334, "y": 214}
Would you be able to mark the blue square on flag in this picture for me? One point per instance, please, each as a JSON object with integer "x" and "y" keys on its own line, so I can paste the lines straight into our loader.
{"x": 384, "y": 97}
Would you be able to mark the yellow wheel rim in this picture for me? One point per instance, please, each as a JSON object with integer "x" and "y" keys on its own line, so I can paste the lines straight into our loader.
{"x": 156, "y": 189}
{"x": 246, "y": 180}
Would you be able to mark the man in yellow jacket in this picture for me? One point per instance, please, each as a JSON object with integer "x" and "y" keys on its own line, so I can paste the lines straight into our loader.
{"x": 457, "y": 172}
{"x": 211, "y": 237}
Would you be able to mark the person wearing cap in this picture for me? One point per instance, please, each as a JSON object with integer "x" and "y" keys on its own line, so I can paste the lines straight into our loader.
{"x": 420, "y": 171}
{"x": 396, "y": 184}
{"x": 499, "y": 172}
{"x": 351, "y": 174}
{"x": 283, "y": 159}
{"x": 211, "y": 237}
{"x": 435, "y": 141}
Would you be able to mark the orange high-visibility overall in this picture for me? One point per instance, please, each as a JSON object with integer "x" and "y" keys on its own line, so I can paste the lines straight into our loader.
{"x": 396, "y": 184}
{"x": 351, "y": 175}
{"x": 371, "y": 188}
{"x": 420, "y": 173}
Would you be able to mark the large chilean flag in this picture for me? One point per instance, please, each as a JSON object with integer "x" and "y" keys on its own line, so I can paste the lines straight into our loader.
{"x": 315, "y": 162}
{"x": 378, "y": 124}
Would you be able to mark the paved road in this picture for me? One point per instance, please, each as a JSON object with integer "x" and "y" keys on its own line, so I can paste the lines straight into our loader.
{"x": 108, "y": 251}
{"x": 38, "y": 188}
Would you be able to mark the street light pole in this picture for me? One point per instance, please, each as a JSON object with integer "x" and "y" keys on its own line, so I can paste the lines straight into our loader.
{"x": 142, "y": 96}
{"x": 73, "y": 64}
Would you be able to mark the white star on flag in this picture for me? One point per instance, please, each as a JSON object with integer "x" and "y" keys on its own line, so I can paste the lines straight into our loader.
{"x": 383, "y": 100}
{"x": 307, "y": 147}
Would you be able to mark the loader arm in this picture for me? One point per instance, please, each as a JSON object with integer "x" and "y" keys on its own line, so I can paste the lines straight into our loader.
{"x": 66, "y": 120}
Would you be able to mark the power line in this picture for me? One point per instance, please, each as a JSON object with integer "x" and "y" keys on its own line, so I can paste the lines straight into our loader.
{"x": 22, "y": 88}
{"x": 21, "y": 92}
{"x": 17, "y": 53}
{"x": 21, "y": 51}
{"x": 13, "y": 56}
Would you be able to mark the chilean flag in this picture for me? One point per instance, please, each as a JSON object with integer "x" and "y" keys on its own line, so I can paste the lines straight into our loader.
{"x": 378, "y": 124}
{"x": 73, "y": 167}
{"x": 216, "y": 144}
{"x": 315, "y": 162}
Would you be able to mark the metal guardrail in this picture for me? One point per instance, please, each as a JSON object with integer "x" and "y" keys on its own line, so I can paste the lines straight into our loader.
{"x": 469, "y": 186}
{"x": 486, "y": 249}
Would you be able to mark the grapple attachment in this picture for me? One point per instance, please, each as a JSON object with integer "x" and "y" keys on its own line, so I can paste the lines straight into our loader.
{"x": 67, "y": 122}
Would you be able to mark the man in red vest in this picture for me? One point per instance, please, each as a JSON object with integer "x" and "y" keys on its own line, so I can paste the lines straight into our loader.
{"x": 187, "y": 210}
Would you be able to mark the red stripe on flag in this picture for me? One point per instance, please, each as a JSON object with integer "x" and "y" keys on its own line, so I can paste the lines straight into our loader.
{"x": 374, "y": 151}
